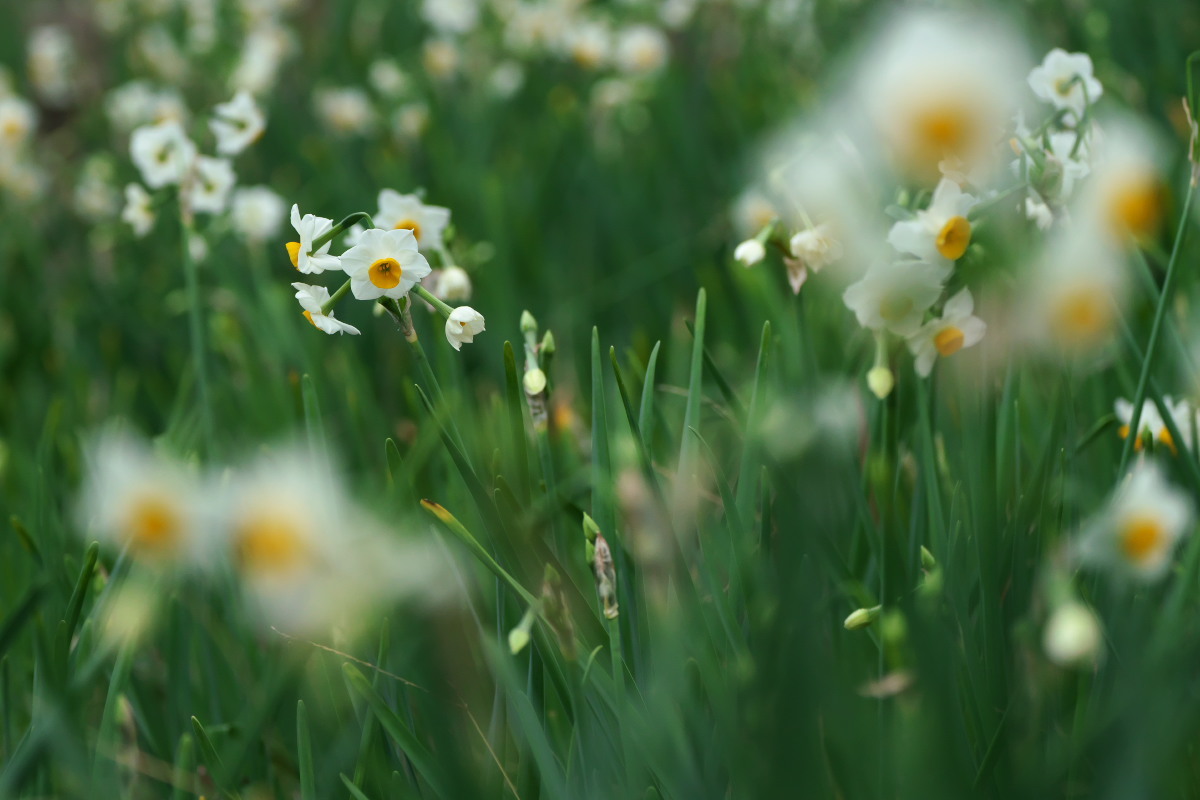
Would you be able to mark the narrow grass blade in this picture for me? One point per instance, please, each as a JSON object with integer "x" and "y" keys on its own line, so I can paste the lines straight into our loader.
{"x": 304, "y": 757}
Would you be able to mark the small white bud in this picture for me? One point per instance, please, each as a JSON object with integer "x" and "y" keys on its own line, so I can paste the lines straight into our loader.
{"x": 749, "y": 252}
{"x": 1072, "y": 636}
{"x": 534, "y": 381}
{"x": 881, "y": 381}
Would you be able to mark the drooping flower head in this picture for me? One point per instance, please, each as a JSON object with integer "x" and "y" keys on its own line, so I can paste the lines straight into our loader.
{"x": 312, "y": 299}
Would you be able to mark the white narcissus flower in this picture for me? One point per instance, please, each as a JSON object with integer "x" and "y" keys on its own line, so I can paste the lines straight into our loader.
{"x": 17, "y": 120}
{"x": 463, "y": 324}
{"x": 162, "y": 153}
{"x": 451, "y": 16}
{"x": 1038, "y": 213}
{"x": 1185, "y": 417}
{"x": 641, "y": 49}
{"x": 1150, "y": 421}
{"x": 237, "y": 124}
{"x": 311, "y": 299}
{"x": 941, "y": 231}
{"x": 1066, "y": 81}
{"x": 749, "y": 252}
{"x": 311, "y": 227}
{"x": 1072, "y": 636}
{"x": 139, "y": 209}
{"x": 134, "y": 498}
{"x": 589, "y": 44}
{"x": 957, "y": 328}
{"x": 1139, "y": 530}
{"x": 894, "y": 295}
{"x": 812, "y": 249}
{"x": 406, "y": 211}
{"x": 212, "y": 181}
{"x": 346, "y": 110}
{"x": 257, "y": 213}
{"x": 384, "y": 264}
{"x": 453, "y": 285}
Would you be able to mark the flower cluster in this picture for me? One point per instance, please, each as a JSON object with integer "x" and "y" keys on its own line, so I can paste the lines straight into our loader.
{"x": 385, "y": 262}
{"x": 305, "y": 556}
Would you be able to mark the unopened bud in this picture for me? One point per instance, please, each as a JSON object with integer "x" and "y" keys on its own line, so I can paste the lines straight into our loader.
{"x": 590, "y": 528}
{"x": 881, "y": 381}
{"x": 927, "y": 559}
{"x": 749, "y": 252}
{"x": 534, "y": 381}
{"x": 1072, "y": 636}
{"x": 548, "y": 346}
{"x": 861, "y": 618}
{"x": 528, "y": 323}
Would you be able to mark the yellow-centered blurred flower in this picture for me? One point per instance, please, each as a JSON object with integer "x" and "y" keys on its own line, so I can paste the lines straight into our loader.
{"x": 406, "y": 211}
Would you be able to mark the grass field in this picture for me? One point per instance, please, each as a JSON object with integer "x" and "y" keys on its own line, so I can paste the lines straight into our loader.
{"x": 599, "y": 399}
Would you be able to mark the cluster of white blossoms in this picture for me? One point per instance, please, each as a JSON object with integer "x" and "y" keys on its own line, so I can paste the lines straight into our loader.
{"x": 938, "y": 114}
{"x": 305, "y": 555}
{"x": 384, "y": 263}
{"x": 19, "y": 175}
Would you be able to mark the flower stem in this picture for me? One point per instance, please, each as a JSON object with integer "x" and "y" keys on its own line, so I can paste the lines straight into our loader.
{"x": 429, "y": 297}
{"x": 1159, "y": 315}
{"x": 328, "y": 236}
{"x": 196, "y": 328}
{"x": 336, "y": 297}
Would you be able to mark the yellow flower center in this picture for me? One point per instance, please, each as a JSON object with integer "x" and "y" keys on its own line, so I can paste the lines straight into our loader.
{"x": 12, "y": 129}
{"x": 385, "y": 273}
{"x": 1064, "y": 85}
{"x": 410, "y": 225}
{"x": 948, "y": 341}
{"x": 1082, "y": 315}
{"x": 268, "y": 544}
{"x": 1135, "y": 205}
{"x": 154, "y": 525}
{"x": 953, "y": 238}
{"x": 1141, "y": 537}
{"x": 293, "y": 249}
{"x": 895, "y": 307}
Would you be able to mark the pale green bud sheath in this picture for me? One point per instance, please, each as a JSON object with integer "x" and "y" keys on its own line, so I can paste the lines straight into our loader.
{"x": 861, "y": 618}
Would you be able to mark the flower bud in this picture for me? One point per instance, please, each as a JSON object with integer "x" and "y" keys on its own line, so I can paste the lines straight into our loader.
{"x": 749, "y": 252}
{"x": 528, "y": 323}
{"x": 534, "y": 381}
{"x": 881, "y": 382}
{"x": 861, "y": 618}
{"x": 548, "y": 346}
{"x": 1072, "y": 636}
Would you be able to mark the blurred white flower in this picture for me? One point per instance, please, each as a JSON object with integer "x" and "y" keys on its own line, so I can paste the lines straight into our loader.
{"x": 311, "y": 299}
{"x": 134, "y": 498}
{"x": 96, "y": 198}
{"x": 1138, "y": 531}
{"x": 894, "y": 295}
{"x": 506, "y": 79}
{"x": 211, "y": 182}
{"x": 463, "y": 324}
{"x": 139, "y": 103}
{"x": 18, "y": 118}
{"x": 453, "y": 285}
{"x": 384, "y": 263}
{"x": 410, "y": 121}
{"x": 938, "y": 85}
{"x": 677, "y": 13}
{"x": 588, "y": 43}
{"x": 162, "y": 153}
{"x": 386, "y": 77}
{"x": 1149, "y": 422}
{"x": 310, "y": 228}
{"x": 441, "y": 58}
{"x": 749, "y": 252}
{"x": 162, "y": 55}
{"x": 237, "y": 124}
{"x": 1072, "y": 636}
{"x": 815, "y": 247}
{"x": 451, "y": 16}
{"x": 266, "y": 47}
{"x": 257, "y": 213}
{"x": 941, "y": 231}
{"x": 52, "y": 64}
{"x": 752, "y": 211}
{"x": 406, "y": 211}
{"x": 1038, "y": 212}
{"x": 957, "y": 328}
{"x": 1125, "y": 195}
{"x": 139, "y": 209}
{"x": 641, "y": 49}
{"x": 345, "y": 110}
{"x": 1066, "y": 81}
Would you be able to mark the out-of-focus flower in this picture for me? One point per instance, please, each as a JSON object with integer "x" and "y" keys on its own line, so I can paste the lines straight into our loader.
{"x": 237, "y": 124}
{"x": 1139, "y": 530}
{"x": 212, "y": 181}
{"x": 387, "y": 78}
{"x": 52, "y": 64}
{"x": 18, "y": 118}
{"x": 1066, "y": 81}
{"x": 139, "y": 103}
{"x": 752, "y": 211}
{"x": 453, "y": 285}
{"x": 938, "y": 84}
{"x": 128, "y": 611}
{"x": 1125, "y": 195}
{"x": 162, "y": 54}
{"x": 263, "y": 52}
{"x": 384, "y": 263}
{"x": 311, "y": 299}
{"x": 345, "y": 111}
{"x": 451, "y": 16}
{"x": 749, "y": 252}
{"x": 1072, "y": 636}
{"x": 256, "y": 213}
{"x": 589, "y": 44}
{"x": 139, "y": 209}
{"x": 957, "y": 328}
{"x": 1149, "y": 422}
{"x": 941, "y": 231}
{"x": 1038, "y": 213}
{"x": 441, "y": 58}
{"x": 162, "y": 153}
{"x": 506, "y": 79}
{"x": 894, "y": 295}
{"x": 815, "y": 247}
{"x": 96, "y": 198}
{"x": 406, "y": 211}
{"x": 641, "y": 49}
{"x": 136, "y": 499}
{"x": 311, "y": 227}
{"x": 463, "y": 324}
{"x": 410, "y": 121}
{"x": 307, "y": 557}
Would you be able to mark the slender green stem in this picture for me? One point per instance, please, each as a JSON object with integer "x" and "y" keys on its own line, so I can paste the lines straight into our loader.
{"x": 196, "y": 326}
{"x": 336, "y": 297}
{"x": 429, "y": 297}
{"x": 328, "y": 236}
{"x": 1159, "y": 316}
